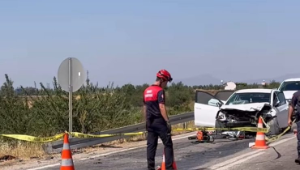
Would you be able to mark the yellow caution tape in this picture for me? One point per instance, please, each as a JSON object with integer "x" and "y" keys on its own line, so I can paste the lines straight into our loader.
{"x": 60, "y": 136}
{"x": 82, "y": 135}
{"x": 246, "y": 129}
{"x": 274, "y": 138}
{"x": 34, "y": 139}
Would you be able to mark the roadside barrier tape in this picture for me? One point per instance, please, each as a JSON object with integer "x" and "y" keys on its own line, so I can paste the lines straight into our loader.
{"x": 60, "y": 136}
{"x": 246, "y": 129}
{"x": 82, "y": 135}
{"x": 34, "y": 139}
{"x": 274, "y": 138}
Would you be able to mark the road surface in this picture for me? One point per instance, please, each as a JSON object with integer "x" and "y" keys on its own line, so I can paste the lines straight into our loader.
{"x": 221, "y": 155}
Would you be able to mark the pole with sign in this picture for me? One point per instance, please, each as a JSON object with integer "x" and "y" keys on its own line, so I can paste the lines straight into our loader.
{"x": 71, "y": 77}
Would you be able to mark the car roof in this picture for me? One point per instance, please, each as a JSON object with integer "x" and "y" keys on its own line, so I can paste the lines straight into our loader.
{"x": 292, "y": 79}
{"x": 255, "y": 91}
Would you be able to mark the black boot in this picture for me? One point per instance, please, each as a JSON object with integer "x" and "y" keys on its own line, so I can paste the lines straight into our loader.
{"x": 297, "y": 160}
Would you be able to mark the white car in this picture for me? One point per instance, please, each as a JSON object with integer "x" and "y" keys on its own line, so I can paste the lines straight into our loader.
{"x": 242, "y": 109}
{"x": 289, "y": 87}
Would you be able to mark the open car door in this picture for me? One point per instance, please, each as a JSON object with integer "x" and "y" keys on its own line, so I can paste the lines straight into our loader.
{"x": 224, "y": 95}
{"x": 206, "y": 108}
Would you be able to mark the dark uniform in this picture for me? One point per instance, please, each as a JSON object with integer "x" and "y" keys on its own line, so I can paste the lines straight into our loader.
{"x": 157, "y": 127}
{"x": 295, "y": 103}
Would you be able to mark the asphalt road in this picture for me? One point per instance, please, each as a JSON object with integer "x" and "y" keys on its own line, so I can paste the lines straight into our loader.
{"x": 220, "y": 155}
{"x": 279, "y": 157}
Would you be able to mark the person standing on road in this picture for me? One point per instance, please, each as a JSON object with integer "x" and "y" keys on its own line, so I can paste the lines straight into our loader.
{"x": 295, "y": 104}
{"x": 157, "y": 121}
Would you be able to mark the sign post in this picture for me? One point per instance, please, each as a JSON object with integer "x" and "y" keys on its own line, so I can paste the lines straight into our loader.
{"x": 71, "y": 77}
{"x": 70, "y": 95}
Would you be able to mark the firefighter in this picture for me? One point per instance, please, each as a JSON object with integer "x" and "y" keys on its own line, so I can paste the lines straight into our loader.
{"x": 295, "y": 105}
{"x": 157, "y": 121}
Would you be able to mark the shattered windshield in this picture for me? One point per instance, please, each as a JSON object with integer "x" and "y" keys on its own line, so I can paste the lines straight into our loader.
{"x": 244, "y": 98}
{"x": 290, "y": 86}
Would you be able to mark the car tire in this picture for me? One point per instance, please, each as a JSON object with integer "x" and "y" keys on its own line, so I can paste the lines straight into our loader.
{"x": 219, "y": 124}
{"x": 274, "y": 127}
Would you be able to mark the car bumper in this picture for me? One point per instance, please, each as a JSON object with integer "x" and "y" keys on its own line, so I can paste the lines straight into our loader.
{"x": 222, "y": 124}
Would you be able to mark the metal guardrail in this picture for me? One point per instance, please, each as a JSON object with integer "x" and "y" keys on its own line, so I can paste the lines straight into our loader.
{"x": 77, "y": 143}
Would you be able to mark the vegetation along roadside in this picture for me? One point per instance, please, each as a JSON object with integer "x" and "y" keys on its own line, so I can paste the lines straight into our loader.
{"x": 44, "y": 112}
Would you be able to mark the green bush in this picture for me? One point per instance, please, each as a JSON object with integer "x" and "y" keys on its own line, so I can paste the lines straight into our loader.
{"x": 45, "y": 112}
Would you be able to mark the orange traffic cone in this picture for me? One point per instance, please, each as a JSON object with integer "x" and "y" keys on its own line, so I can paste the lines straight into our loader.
{"x": 260, "y": 141}
{"x": 163, "y": 164}
{"x": 295, "y": 132}
{"x": 66, "y": 155}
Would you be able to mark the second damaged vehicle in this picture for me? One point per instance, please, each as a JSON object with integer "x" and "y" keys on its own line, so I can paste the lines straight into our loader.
{"x": 242, "y": 109}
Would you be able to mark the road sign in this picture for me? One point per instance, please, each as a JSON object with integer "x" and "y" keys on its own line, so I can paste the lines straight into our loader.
{"x": 78, "y": 75}
{"x": 71, "y": 76}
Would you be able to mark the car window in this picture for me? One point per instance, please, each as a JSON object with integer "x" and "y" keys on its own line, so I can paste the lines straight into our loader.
{"x": 206, "y": 98}
{"x": 244, "y": 98}
{"x": 281, "y": 98}
{"x": 290, "y": 86}
{"x": 224, "y": 95}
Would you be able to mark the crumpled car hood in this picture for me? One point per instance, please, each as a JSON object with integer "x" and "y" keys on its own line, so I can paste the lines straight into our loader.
{"x": 246, "y": 107}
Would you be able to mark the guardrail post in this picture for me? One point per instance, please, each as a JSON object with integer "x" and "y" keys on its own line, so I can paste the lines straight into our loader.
{"x": 184, "y": 125}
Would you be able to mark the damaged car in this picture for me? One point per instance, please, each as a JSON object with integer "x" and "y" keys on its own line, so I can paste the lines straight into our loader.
{"x": 242, "y": 108}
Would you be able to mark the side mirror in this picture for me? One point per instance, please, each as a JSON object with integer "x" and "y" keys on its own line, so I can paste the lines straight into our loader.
{"x": 219, "y": 104}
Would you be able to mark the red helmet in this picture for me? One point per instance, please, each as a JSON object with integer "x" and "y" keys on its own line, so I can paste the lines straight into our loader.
{"x": 165, "y": 75}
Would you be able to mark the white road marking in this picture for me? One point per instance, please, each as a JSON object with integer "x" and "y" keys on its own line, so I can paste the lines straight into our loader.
{"x": 242, "y": 158}
{"x": 282, "y": 141}
{"x": 118, "y": 151}
{"x": 43, "y": 167}
{"x": 228, "y": 167}
{"x": 230, "y": 161}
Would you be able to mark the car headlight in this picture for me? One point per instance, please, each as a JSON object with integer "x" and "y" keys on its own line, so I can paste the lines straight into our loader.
{"x": 222, "y": 116}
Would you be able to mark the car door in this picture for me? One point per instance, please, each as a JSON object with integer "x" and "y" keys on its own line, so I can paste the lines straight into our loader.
{"x": 206, "y": 108}
{"x": 284, "y": 111}
{"x": 281, "y": 108}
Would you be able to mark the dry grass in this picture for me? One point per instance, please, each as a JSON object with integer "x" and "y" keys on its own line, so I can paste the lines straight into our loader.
{"x": 22, "y": 150}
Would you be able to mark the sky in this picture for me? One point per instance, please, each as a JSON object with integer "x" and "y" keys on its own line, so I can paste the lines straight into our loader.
{"x": 128, "y": 41}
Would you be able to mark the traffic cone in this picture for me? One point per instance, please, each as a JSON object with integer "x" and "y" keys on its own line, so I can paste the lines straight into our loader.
{"x": 260, "y": 141}
{"x": 163, "y": 164}
{"x": 174, "y": 165}
{"x": 295, "y": 132}
{"x": 66, "y": 155}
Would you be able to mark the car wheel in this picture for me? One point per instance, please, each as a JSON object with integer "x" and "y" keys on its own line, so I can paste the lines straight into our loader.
{"x": 274, "y": 127}
{"x": 219, "y": 124}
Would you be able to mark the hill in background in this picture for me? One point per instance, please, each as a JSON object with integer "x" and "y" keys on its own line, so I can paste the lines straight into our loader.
{"x": 206, "y": 79}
